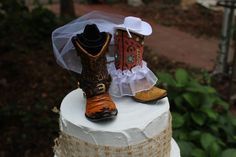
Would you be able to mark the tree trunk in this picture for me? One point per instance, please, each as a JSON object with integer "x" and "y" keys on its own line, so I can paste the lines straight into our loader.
{"x": 186, "y": 4}
{"x": 232, "y": 85}
{"x": 67, "y": 8}
{"x": 135, "y": 3}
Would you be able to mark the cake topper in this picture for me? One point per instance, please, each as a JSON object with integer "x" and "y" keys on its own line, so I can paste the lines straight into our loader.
{"x": 82, "y": 46}
{"x": 92, "y": 46}
{"x": 130, "y": 73}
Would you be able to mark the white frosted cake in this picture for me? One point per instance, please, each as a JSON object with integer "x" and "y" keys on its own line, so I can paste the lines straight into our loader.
{"x": 139, "y": 130}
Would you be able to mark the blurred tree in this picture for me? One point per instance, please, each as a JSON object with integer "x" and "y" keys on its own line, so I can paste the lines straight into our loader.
{"x": 135, "y": 3}
{"x": 94, "y": 1}
{"x": 33, "y": 26}
{"x": 233, "y": 77}
{"x": 186, "y": 4}
{"x": 172, "y": 2}
{"x": 67, "y": 8}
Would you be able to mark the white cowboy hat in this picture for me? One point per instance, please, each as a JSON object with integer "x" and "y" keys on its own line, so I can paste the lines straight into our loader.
{"x": 135, "y": 25}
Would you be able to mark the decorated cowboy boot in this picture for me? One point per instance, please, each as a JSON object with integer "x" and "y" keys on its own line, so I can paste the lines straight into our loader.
{"x": 91, "y": 46}
{"x": 130, "y": 56}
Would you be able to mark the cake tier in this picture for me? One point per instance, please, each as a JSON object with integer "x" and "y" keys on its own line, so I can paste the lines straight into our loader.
{"x": 138, "y": 130}
{"x": 175, "y": 152}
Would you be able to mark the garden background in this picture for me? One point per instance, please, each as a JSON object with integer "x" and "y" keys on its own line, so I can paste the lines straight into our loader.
{"x": 32, "y": 85}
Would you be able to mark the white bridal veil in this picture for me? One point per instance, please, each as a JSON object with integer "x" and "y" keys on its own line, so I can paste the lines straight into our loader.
{"x": 63, "y": 48}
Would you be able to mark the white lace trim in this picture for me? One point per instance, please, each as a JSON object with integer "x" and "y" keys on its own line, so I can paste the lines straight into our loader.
{"x": 130, "y": 82}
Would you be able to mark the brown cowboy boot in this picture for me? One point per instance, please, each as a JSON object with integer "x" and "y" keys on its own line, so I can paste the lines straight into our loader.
{"x": 95, "y": 80}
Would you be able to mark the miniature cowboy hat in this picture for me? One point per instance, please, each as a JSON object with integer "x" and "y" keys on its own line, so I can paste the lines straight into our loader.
{"x": 135, "y": 25}
{"x": 92, "y": 37}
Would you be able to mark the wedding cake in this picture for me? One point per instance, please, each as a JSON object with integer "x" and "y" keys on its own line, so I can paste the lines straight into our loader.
{"x": 139, "y": 130}
{"x": 117, "y": 111}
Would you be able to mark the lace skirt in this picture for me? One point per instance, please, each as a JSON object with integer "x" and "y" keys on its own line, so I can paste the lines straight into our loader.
{"x": 130, "y": 82}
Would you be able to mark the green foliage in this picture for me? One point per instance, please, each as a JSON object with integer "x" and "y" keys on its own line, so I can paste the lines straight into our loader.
{"x": 229, "y": 153}
{"x": 22, "y": 28}
{"x": 202, "y": 124}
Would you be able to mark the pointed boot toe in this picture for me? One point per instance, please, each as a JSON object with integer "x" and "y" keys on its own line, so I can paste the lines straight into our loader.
{"x": 150, "y": 95}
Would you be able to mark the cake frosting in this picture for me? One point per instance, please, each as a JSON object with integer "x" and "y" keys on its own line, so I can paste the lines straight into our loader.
{"x": 135, "y": 122}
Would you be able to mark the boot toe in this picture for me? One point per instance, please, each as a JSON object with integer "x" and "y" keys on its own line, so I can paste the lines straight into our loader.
{"x": 153, "y": 94}
{"x": 100, "y": 108}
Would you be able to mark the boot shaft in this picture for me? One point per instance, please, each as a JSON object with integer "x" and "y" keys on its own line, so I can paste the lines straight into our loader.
{"x": 94, "y": 69}
{"x": 94, "y": 78}
{"x": 129, "y": 50}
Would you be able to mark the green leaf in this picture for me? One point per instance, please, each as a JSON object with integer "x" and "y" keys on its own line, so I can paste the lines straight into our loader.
{"x": 166, "y": 78}
{"x": 186, "y": 148}
{"x": 232, "y": 119}
{"x": 195, "y": 135}
{"x": 178, "y": 120}
{"x": 208, "y": 100}
{"x": 198, "y": 118}
{"x": 222, "y": 103}
{"x": 214, "y": 150}
{"x": 221, "y": 142}
{"x": 183, "y": 136}
{"x": 207, "y": 140}
{"x": 229, "y": 153}
{"x": 195, "y": 87}
{"x": 210, "y": 113}
{"x": 214, "y": 127}
{"x": 180, "y": 134}
{"x": 181, "y": 77}
{"x": 191, "y": 99}
{"x": 178, "y": 100}
{"x": 198, "y": 153}
{"x": 210, "y": 90}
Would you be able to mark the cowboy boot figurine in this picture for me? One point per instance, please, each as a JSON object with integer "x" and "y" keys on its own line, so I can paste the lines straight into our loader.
{"x": 91, "y": 46}
{"x": 131, "y": 76}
